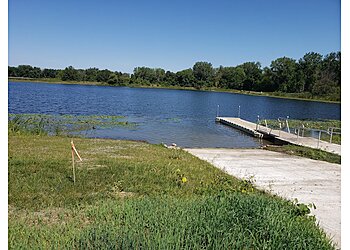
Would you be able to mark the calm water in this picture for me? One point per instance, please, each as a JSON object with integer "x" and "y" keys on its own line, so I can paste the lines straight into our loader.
{"x": 186, "y": 118}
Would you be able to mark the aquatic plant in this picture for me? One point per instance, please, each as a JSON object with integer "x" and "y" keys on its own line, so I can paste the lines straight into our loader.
{"x": 63, "y": 124}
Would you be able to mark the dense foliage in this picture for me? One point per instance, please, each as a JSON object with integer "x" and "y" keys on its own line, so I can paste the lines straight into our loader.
{"x": 313, "y": 75}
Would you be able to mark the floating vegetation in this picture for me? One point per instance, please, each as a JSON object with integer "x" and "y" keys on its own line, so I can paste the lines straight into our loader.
{"x": 63, "y": 124}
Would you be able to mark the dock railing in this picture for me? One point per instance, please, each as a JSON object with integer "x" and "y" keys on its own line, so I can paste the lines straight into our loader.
{"x": 301, "y": 131}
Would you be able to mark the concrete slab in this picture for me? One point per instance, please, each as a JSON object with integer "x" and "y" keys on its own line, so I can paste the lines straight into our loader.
{"x": 291, "y": 177}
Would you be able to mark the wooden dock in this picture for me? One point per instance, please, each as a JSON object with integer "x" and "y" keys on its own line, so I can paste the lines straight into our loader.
{"x": 278, "y": 135}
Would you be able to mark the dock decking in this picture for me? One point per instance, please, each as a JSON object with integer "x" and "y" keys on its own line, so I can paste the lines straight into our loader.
{"x": 262, "y": 131}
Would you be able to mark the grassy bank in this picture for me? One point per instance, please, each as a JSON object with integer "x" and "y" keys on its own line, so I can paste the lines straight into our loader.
{"x": 135, "y": 195}
{"x": 52, "y": 80}
{"x": 311, "y": 153}
{"x": 293, "y": 96}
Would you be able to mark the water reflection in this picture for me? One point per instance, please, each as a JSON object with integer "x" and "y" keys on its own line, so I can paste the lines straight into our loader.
{"x": 164, "y": 116}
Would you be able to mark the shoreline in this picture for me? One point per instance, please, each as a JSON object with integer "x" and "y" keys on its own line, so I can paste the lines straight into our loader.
{"x": 218, "y": 90}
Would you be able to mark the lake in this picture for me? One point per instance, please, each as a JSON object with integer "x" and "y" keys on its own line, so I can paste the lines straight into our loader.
{"x": 184, "y": 117}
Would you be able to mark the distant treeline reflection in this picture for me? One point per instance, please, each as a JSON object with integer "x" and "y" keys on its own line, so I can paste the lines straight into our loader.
{"x": 313, "y": 75}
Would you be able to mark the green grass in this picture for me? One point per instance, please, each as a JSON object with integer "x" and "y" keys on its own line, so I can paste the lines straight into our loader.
{"x": 221, "y": 221}
{"x": 133, "y": 195}
{"x": 40, "y": 171}
{"x": 311, "y": 153}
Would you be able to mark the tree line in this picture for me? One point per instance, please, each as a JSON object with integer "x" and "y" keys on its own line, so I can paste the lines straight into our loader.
{"x": 313, "y": 74}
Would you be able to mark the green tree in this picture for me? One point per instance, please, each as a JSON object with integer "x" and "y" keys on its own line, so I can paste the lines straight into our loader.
{"x": 70, "y": 74}
{"x": 91, "y": 74}
{"x": 35, "y": 73}
{"x": 103, "y": 75}
{"x": 185, "y": 78}
{"x": 28, "y": 71}
{"x": 159, "y": 75}
{"x": 217, "y": 76}
{"x": 253, "y": 74}
{"x": 23, "y": 70}
{"x": 124, "y": 79}
{"x": 144, "y": 73}
{"x": 231, "y": 77}
{"x": 113, "y": 79}
{"x": 49, "y": 73}
{"x": 284, "y": 74}
{"x": 170, "y": 78}
{"x": 331, "y": 65}
{"x": 310, "y": 68}
{"x": 12, "y": 71}
{"x": 203, "y": 72}
{"x": 329, "y": 82}
{"x": 267, "y": 84}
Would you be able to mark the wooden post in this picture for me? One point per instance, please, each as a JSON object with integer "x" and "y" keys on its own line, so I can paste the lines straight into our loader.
{"x": 73, "y": 163}
{"x": 74, "y": 150}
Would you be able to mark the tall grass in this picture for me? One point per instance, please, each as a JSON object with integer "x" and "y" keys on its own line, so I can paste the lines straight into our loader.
{"x": 18, "y": 125}
{"x": 222, "y": 221}
{"x": 63, "y": 124}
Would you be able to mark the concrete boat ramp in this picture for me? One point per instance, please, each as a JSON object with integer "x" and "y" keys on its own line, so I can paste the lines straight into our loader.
{"x": 291, "y": 177}
{"x": 278, "y": 135}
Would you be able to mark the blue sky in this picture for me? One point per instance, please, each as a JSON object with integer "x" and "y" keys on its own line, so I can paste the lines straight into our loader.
{"x": 121, "y": 35}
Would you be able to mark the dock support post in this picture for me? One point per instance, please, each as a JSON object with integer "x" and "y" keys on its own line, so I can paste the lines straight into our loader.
{"x": 280, "y": 124}
{"x": 298, "y": 135}
{"x": 257, "y": 123}
{"x": 217, "y": 111}
{"x": 303, "y": 130}
{"x": 239, "y": 111}
{"x": 319, "y": 138}
{"x": 287, "y": 124}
